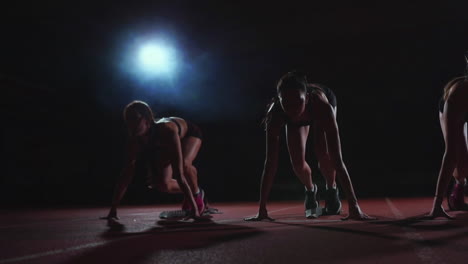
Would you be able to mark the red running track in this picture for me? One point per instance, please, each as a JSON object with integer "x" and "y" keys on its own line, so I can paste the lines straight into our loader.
{"x": 78, "y": 236}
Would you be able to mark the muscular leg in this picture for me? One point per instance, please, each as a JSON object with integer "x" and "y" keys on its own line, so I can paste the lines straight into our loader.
{"x": 165, "y": 181}
{"x": 444, "y": 133}
{"x": 456, "y": 154}
{"x": 321, "y": 151}
{"x": 296, "y": 139}
{"x": 332, "y": 199}
{"x": 461, "y": 177}
{"x": 190, "y": 148}
{"x": 456, "y": 198}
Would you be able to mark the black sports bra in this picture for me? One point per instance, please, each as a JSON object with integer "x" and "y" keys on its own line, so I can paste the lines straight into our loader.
{"x": 313, "y": 89}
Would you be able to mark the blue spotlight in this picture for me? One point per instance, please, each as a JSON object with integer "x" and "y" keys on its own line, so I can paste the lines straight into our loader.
{"x": 157, "y": 59}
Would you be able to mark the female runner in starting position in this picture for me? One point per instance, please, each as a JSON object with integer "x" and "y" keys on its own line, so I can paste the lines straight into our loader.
{"x": 167, "y": 146}
{"x": 300, "y": 106}
{"x": 453, "y": 120}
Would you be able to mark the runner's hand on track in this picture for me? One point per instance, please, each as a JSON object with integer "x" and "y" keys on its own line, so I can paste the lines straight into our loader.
{"x": 262, "y": 215}
{"x": 437, "y": 211}
{"x": 355, "y": 213}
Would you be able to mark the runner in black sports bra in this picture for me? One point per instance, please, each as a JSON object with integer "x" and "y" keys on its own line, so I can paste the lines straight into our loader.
{"x": 442, "y": 105}
{"x": 300, "y": 106}
{"x": 167, "y": 147}
{"x": 453, "y": 115}
{"x": 192, "y": 129}
{"x": 312, "y": 89}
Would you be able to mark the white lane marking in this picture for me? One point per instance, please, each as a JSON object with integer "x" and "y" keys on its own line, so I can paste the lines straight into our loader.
{"x": 53, "y": 252}
{"x": 309, "y": 221}
{"x": 424, "y": 253}
{"x": 47, "y": 222}
{"x": 53, "y": 221}
{"x": 96, "y": 244}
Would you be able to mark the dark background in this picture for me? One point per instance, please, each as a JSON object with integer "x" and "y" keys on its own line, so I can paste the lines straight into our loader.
{"x": 64, "y": 86}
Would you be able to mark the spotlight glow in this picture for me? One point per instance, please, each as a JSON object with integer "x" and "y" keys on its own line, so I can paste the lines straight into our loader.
{"x": 157, "y": 59}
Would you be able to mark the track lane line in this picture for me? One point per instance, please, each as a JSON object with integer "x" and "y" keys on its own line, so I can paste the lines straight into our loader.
{"x": 424, "y": 253}
{"x": 97, "y": 244}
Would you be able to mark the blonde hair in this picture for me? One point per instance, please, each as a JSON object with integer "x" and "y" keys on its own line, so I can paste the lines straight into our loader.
{"x": 448, "y": 87}
{"x": 137, "y": 107}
